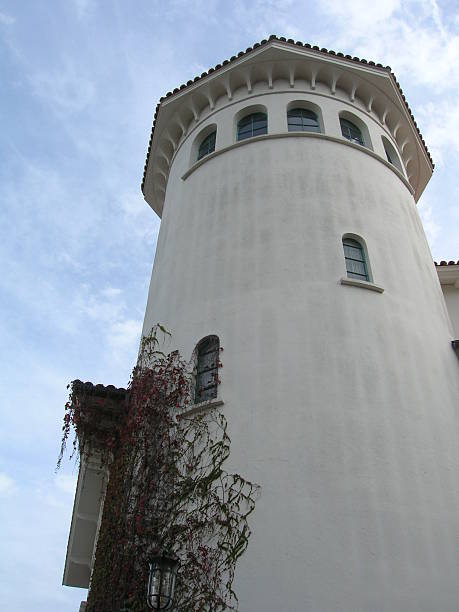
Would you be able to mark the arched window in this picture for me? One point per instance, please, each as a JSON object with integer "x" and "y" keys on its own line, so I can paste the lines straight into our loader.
{"x": 207, "y": 369}
{"x": 302, "y": 120}
{"x": 255, "y": 124}
{"x": 350, "y": 131}
{"x": 391, "y": 154}
{"x": 354, "y": 255}
{"x": 207, "y": 145}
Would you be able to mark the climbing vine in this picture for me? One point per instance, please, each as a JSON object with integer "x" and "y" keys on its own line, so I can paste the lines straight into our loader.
{"x": 167, "y": 492}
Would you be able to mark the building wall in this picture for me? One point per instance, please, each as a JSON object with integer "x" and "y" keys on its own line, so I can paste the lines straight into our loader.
{"x": 341, "y": 401}
{"x": 451, "y": 294}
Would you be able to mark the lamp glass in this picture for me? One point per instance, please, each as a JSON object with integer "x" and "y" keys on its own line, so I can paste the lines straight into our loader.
{"x": 161, "y": 582}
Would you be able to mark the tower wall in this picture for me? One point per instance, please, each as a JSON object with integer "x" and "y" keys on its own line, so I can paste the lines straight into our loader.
{"x": 341, "y": 401}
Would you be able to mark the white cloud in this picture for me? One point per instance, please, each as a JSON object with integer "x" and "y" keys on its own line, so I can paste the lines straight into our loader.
{"x": 124, "y": 338}
{"x": 66, "y": 90}
{"x": 410, "y": 36}
{"x": 66, "y": 483}
{"x": 440, "y": 122}
{"x": 121, "y": 332}
{"x": 105, "y": 306}
{"x": 431, "y": 226}
{"x": 133, "y": 204}
{"x": 6, "y": 19}
{"x": 83, "y": 7}
{"x": 7, "y": 485}
{"x": 360, "y": 14}
{"x": 264, "y": 17}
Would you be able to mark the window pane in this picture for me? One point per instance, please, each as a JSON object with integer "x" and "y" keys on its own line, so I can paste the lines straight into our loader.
{"x": 207, "y": 394}
{"x": 252, "y": 125}
{"x": 244, "y": 135}
{"x": 261, "y": 130}
{"x": 207, "y": 378}
{"x": 207, "y": 361}
{"x": 355, "y": 259}
{"x": 207, "y": 369}
{"x": 258, "y": 123}
{"x": 351, "y": 131}
{"x": 309, "y": 114}
{"x": 207, "y": 145}
{"x": 245, "y": 121}
{"x": 353, "y": 252}
{"x": 357, "y": 267}
{"x": 245, "y": 128}
{"x": 357, "y": 276}
{"x": 311, "y": 128}
{"x": 302, "y": 119}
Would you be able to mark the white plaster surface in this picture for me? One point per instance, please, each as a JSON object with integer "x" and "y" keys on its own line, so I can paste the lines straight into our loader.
{"x": 451, "y": 294}
{"x": 341, "y": 403}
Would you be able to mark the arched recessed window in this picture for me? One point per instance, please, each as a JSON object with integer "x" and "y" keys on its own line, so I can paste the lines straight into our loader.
{"x": 391, "y": 154}
{"x": 302, "y": 120}
{"x": 350, "y": 131}
{"x": 207, "y": 145}
{"x": 354, "y": 255}
{"x": 207, "y": 369}
{"x": 255, "y": 124}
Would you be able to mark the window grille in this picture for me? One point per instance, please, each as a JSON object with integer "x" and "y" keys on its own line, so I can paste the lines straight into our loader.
{"x": 354, "y": 255}
{"x": 302, "y": 120}
{"x": 207, "y": 145}
{"x": 207, "y": 369}
{"x": 351, "y": 132}
{"x": 252, "y": 125}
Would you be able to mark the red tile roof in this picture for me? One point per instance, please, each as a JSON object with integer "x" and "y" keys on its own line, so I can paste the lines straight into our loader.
{"x": 290, "y": 41}
{"x": 447, "y": 263}
{"x": 88, "y": 388}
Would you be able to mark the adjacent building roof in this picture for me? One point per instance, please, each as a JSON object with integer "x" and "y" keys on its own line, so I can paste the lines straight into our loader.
{"x": 88, "y": 388}
{"x": 447, "y": 263}
{"x": 448, "y": 273}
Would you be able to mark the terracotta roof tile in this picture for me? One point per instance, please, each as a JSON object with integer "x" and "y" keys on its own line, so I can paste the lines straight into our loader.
{"x": 447, "y": 263}
{"x": 88, "y": 388}
{"x": 292, "y": 42}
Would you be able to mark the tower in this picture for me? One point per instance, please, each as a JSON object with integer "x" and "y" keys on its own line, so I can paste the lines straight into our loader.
{"x": 286, "y": 180}
{"x": 274, "y": 173}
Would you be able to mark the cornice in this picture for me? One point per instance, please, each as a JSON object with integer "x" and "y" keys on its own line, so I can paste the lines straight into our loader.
{"x": 362, "y": 80}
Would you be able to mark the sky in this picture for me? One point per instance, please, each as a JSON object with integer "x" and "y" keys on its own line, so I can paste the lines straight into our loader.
{"x": 80, "y": 80}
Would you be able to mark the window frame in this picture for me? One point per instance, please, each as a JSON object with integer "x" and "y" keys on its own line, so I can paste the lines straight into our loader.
{"x": 391, "y": 154}
{"x": 207, "y": 346}
{"x": 357, "y": 244}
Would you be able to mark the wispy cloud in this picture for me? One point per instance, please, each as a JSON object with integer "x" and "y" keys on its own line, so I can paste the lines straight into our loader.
{"x": 6, "y": 19}
{"x": 7, "y": 485}
{"x": 359, "y": 14}
{"x": 83, "y": 8}
{"x": 431, "y": 225}
{"x": 124, "y": 338}
{"x": 65, "y": 90}
{"x": 66, "y": 483}
{"x": 441, "y": 128}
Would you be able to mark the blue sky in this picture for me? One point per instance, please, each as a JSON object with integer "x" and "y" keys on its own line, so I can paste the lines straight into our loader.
{"x": 80, "y": 81}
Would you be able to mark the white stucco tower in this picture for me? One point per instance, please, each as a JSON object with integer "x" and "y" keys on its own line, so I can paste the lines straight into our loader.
{"x": 287, "y": 180}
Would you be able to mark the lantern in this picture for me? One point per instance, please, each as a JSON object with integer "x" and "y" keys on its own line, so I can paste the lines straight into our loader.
{"x": 161, "y": 582}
